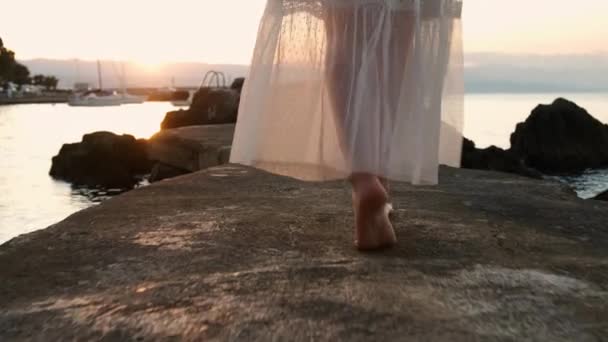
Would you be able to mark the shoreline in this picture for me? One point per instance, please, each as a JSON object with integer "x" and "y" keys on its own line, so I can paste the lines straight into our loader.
{"x": 51, "y": 99}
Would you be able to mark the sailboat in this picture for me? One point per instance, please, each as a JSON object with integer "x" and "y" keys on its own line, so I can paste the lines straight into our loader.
{"x": 101, "y": 97}
{"x": 131, "y": 99}
{"x": 126, "y": 97}
{"x": 96, "y": 98}
{"x": 179, "y": 98}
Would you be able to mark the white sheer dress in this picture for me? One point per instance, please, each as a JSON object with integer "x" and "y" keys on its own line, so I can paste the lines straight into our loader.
{"x": 343, "y": 86}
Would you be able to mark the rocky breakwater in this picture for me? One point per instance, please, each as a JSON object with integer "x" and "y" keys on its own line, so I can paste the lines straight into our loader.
{"x": 232, "y": 253}
{"x": 494, "y": 158}
{"x": 107, "y": 160}
{"x": 556, "y": 139}
{"x": 188, "y": 149}
{"x": 210, "y": 105}
{"x": 561, "y": 138}
{"x": 547, "y": 142}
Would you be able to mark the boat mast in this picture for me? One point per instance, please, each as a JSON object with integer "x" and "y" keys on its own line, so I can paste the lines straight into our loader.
{"x": 77, "y": 71}
{"x": 99, "y": 74}
{"x": 123, "y": 80}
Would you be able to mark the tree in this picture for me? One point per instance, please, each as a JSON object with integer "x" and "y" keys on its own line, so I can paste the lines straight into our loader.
{"x": 50, "y": 82}
{"x": 20, "y": 75}
{"x": 7, "y": 61}
{"x": 38, "y": 79}
{"x": 10, "y": 69}
{"x": 15, "y": 72}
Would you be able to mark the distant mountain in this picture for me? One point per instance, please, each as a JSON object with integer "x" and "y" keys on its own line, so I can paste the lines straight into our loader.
{"x": 183, "y": 74}
{"x": 484, "y": 72}
{"x": 494, "y": 72}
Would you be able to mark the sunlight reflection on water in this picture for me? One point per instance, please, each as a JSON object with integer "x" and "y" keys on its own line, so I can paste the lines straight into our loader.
{"x": 30, "y": 135}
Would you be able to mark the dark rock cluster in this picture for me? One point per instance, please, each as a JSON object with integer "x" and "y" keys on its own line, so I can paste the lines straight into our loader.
{"x": 555, "y": 139}
{"x": 602, "y": 197}
{"x": 161, "y": 171}
{"x": 177, "y": 95}
{"x": 102, "y": 159}
{"x": 561, "y": 138}
{"x": 494, "y": 158}
{"x": 210, "y": 105}
{"x": 105, "y": 160}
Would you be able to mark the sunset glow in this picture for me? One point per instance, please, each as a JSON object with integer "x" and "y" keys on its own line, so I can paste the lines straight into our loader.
{"x": 212, "y": 31}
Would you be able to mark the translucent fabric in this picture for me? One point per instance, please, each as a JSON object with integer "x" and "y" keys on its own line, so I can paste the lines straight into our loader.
{"x": 343, "y": 86}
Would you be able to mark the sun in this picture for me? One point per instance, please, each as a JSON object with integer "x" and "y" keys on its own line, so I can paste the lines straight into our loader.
{"x": 149, "y": 65}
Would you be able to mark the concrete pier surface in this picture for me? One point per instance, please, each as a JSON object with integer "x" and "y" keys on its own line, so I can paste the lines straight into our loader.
{"x": 233, "y": 253}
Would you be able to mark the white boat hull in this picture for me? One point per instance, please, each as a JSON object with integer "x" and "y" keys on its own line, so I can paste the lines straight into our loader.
{"x": 95, "y": 101}
{"x": 133, "y": 99}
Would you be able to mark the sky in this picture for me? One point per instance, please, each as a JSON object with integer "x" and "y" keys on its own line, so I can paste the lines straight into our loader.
{"x": 224, "y": 31}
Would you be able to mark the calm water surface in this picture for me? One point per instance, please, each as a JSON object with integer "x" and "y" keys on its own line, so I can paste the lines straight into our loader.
{"x": 30, "y": 135}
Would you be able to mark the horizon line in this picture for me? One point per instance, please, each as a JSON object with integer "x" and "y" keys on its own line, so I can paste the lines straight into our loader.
{"x": 522, "y": 54}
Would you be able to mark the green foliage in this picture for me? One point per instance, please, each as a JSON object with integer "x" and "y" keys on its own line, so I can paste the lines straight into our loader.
{"x": 7, "y": 62}
{"x": 38, "y": 79}
{"x": 49, "y": 82}
{"x": 15, "y": 72}
{"x": 20, "y": 74}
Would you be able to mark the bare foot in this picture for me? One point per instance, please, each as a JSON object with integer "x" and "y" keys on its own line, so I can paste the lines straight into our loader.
{"x": 388, "y": 207}
{"x": 384, "y": 183}
{"x": 384, "y": 229}
{"x": 382, "y": 218}
{"x": 373, "y": 228}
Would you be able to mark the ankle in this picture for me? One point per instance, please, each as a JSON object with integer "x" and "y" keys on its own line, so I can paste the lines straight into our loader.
{"x": 361, "y": 181}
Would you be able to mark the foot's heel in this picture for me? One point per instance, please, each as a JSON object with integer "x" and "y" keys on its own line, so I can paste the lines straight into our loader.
{"x": 373, "y": 197}
{"x": 388, "y": 209}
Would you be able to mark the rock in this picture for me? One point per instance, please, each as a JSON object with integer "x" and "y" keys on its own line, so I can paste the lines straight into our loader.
{"x": 494, "y": 158}
{"x": 176, "y": 95}
{"x": 162, "y": 171}
{"x": 180, "y": 95}
{"x": 192, "y": 148}
{"x": 602, "y": 197}
{"x": 237, "y": 84}
{"x": 102, "y": 159}
{"x": 224, "y": 154}
{"x": 232, "y": 253}
{"x": 209, "y": 106}
{"x": 561, "y": 138}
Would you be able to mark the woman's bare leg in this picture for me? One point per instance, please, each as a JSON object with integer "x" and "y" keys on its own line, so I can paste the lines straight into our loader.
{"x": 373, "y": 229}
{"x": 402, "y": 23}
